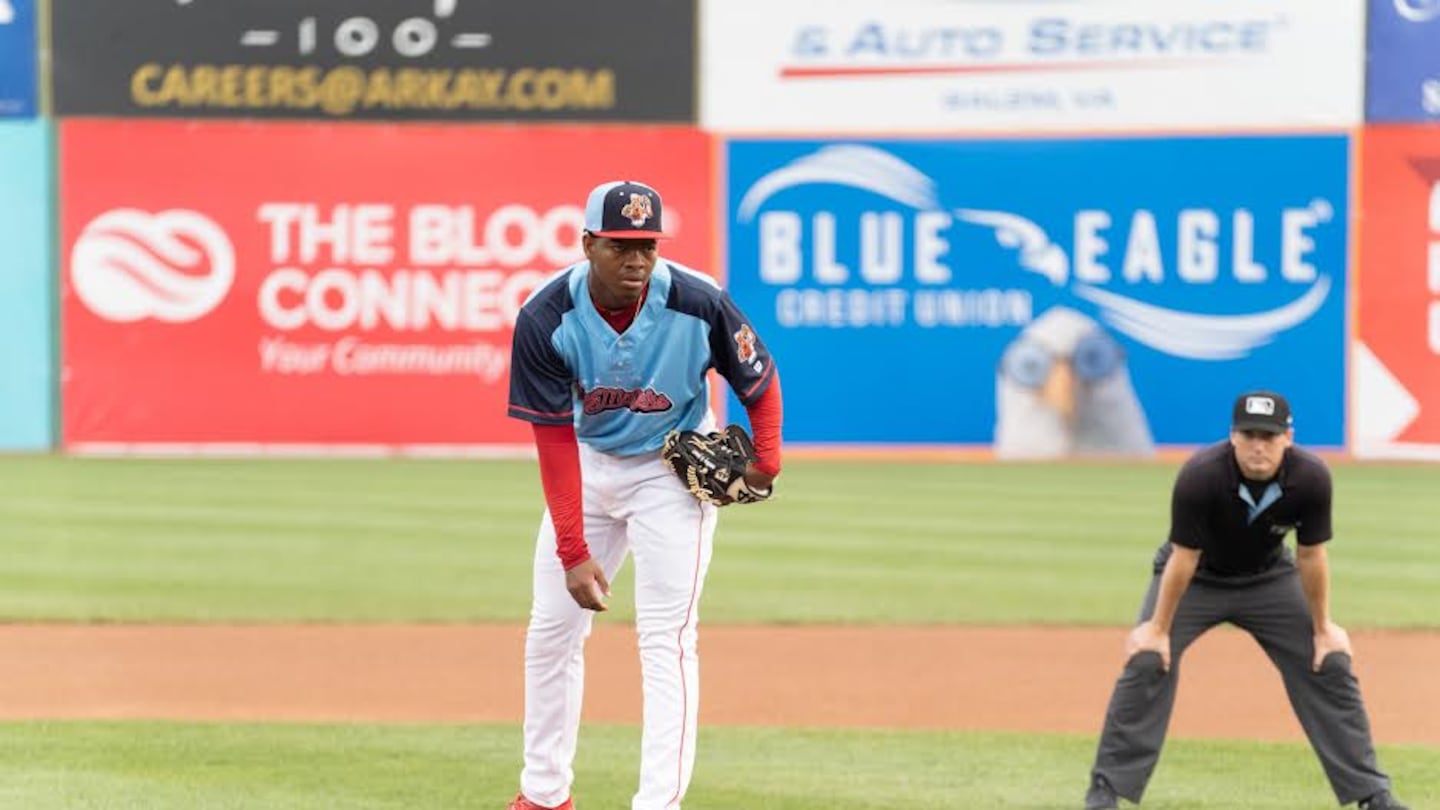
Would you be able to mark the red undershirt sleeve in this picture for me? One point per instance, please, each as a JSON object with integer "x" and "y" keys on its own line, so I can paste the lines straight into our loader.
{"x": 560, "y": 477}
{"x": 766, "y": 414}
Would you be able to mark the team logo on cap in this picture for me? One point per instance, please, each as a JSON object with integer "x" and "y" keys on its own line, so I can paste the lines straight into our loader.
{"x": 1263, "y": 406}
{"x": 638, "y": 210}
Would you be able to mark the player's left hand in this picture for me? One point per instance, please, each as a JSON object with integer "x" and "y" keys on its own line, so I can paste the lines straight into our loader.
{"x": 758, "y": 478}
{"x": 1331, "y": 639}
{"x": 717, "y": 467}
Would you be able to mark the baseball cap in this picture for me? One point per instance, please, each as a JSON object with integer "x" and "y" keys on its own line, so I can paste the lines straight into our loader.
{"x": 624, "y": 209}
{"x": 1261, "y": 410}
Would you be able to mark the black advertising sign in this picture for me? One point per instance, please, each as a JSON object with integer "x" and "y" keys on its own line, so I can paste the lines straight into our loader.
{"x": 630, "y": 60}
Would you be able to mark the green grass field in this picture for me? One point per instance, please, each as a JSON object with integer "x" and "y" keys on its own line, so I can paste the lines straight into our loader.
{"x": 451, "y": 541}
{"x": 151, "y": 766}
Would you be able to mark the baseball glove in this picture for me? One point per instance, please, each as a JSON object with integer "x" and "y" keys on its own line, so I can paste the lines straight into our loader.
{"x": 712, "y": 465}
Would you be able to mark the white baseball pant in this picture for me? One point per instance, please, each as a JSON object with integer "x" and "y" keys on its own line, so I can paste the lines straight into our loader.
{"x": 633, "y": 505}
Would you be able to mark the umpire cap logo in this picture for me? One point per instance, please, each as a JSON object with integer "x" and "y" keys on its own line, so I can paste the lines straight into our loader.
{"x": 1261, "y": 410}
{"x": 1264, "y": 406}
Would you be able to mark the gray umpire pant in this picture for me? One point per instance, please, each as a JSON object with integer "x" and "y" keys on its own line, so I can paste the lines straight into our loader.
{"x": 1275, "y": 612}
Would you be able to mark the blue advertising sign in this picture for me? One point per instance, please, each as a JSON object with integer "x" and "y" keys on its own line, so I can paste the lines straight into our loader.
{"x": 17, "y": 58}
{"x": 1049, "y": 297}
{"x": 26, "y": 287}
{"x": 1402, "y": 80}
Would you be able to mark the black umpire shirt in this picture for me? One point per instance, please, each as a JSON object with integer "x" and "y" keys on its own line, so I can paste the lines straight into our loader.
{"x": 1240, "y": 530}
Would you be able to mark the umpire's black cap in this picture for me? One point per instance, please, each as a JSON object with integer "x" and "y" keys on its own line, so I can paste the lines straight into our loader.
{"x": 624, "y": 209}
{"x": 1261, "y": 410}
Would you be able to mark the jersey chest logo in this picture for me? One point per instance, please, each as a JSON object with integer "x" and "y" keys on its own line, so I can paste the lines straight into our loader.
{"x": 648, "y": 400}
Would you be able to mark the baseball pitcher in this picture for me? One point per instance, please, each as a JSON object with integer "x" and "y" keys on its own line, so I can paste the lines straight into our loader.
{"x": 609, "y": 364}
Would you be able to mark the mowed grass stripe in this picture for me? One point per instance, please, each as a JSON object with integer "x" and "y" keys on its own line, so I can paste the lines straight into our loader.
{"x": 370, "y": 520}
{"x": 450, "y": 540}
{"x": 175, "y": 766}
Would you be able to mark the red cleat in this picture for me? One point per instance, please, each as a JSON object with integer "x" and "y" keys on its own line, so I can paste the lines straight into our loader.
{"x": 522, "y": 803}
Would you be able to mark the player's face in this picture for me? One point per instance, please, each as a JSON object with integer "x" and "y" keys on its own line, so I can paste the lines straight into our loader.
{"x": 619, "y": 268}
{"x": 1259, "y": 452}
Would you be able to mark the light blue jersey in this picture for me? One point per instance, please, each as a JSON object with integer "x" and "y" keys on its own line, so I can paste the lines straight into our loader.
{"x": 625, "y": 391}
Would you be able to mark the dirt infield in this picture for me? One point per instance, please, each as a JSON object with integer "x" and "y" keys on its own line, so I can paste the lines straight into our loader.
{"x": 1019, "y": 679}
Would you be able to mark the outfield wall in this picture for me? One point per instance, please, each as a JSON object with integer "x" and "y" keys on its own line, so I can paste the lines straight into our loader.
{"x": 27, "y": 298}
{"x": 953, "y": 223}
{"x": 27, "y": 301}
{"x": 232, "y": 283}
{"x": 19, "y": 30}
{"x": 825, "y": 66}
{"x": 969, "y": 291}
{"x": 422, "y": 60}
{"x": 1396, "y": 385}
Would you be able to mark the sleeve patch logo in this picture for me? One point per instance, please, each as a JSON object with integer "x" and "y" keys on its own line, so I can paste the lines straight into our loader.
{"x": 745, "y": 344}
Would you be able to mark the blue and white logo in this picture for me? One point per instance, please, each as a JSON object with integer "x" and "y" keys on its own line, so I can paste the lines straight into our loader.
{"x": 1418, "y": 10}
{"x": 1217, "y": 264}
{"x": 17, "y": 58}
{"x": 1402, "y": 77}
{"x": 1181, "y": 333}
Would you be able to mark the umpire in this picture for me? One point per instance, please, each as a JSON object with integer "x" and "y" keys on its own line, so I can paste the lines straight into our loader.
{"x": 1226, "y": 561}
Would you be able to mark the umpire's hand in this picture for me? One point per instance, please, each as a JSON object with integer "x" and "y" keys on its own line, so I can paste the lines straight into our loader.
{"x": 1331, "y": 638}
{"x": 1148, "y": 637}
{"x": 588, "y": 586}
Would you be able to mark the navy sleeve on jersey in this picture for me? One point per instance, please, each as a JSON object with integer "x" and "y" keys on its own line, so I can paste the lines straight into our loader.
{"x": 541, "y": 385}
{"x": 737, "y": 352}
{"x": 1314, "y": 525}
{"x": 1190, "y": 509}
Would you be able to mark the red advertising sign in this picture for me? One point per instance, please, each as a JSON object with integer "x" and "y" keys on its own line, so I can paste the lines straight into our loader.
{"x": 327, "y": 284}
{"x": 1398, "y": 369}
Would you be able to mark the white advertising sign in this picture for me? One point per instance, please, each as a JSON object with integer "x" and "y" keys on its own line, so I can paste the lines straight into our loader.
{"x": 1055, "y": 65}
